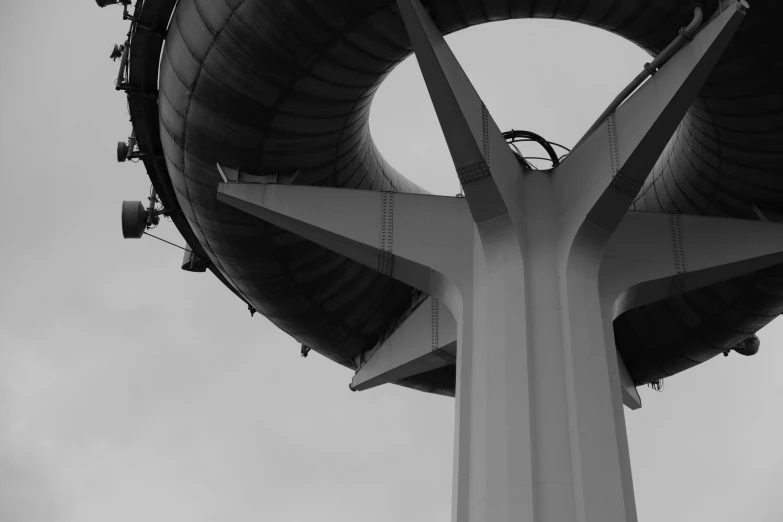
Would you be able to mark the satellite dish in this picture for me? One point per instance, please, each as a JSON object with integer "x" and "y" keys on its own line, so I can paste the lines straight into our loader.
{"x": 122, "y": 151}
{"x": 134, "y": 219}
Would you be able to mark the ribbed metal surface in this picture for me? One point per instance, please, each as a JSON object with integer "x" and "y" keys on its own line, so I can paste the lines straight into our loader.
{"x": 271, "y": 86}
{"x": 726, "y": 157}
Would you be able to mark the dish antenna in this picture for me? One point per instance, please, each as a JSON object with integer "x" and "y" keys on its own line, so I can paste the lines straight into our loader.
{"x": 136, "y": 219}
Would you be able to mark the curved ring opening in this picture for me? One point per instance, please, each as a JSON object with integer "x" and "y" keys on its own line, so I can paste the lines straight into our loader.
{"x": 550, "y": 77}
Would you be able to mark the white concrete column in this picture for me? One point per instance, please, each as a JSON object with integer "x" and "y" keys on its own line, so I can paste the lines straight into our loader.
{"x": 602, "y": 481}
{"x": 494, "y": 453}
{"x": 540, "y": 426}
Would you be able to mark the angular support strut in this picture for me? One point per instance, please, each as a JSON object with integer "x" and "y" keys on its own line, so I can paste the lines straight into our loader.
{"x": 427, "y": 340}
{"x": 655, "y": 256}
{"x": 405, "y": 236}
{"x": 486, "y": 167}
{"x": 599, "y": 180}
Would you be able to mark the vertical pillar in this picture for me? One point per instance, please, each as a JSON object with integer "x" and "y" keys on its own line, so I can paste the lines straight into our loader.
{"x": 494, "y": 452}
{"x": 602, "y": 480}
{"x": 537, "y": 381}
{"x": 553, "y": 485}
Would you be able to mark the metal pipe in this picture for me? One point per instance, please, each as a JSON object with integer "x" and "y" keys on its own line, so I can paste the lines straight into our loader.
{"x": 151, "y": 217}
{"x": 686, "y": 35}
{"x": 131, "y": 144}
{"x": 123, "y": 65}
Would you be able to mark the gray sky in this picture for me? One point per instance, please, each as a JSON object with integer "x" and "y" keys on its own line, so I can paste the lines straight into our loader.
{"x": 132, "y": 390}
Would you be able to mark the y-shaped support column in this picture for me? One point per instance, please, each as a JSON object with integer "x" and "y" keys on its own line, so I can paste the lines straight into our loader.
{"x": 534, "y": 267}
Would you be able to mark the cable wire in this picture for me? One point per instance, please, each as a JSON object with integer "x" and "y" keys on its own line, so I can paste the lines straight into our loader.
{"x": 169, "y": 242}
{"x": 517, "y": 136}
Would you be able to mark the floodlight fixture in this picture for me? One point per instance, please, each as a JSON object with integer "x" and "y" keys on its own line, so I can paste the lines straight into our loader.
{"x": 116, "y": 52}
{"x": 134, "y": 219}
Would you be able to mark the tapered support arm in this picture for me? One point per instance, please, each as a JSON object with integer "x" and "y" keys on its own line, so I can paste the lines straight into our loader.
{"x": 427, "y": 340}
{"x": 630, "y": 395}
{"x": 660, "y": 255}
{"x": 405, "y": 236}
{"x": 599, "y": 180}
{"x": 487, "y": 169}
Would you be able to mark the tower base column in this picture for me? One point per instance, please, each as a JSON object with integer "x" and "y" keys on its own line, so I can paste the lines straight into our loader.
{"x": 540, "y": 427}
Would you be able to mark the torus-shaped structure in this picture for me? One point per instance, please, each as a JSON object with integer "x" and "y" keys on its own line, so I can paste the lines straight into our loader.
{"x": 542, "y": 298}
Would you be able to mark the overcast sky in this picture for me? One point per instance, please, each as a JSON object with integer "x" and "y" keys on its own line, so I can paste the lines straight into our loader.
{"x": 131, "y": 390}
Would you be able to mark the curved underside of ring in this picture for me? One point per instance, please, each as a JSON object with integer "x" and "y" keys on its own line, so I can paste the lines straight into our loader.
{"x": 278, "y": 86}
